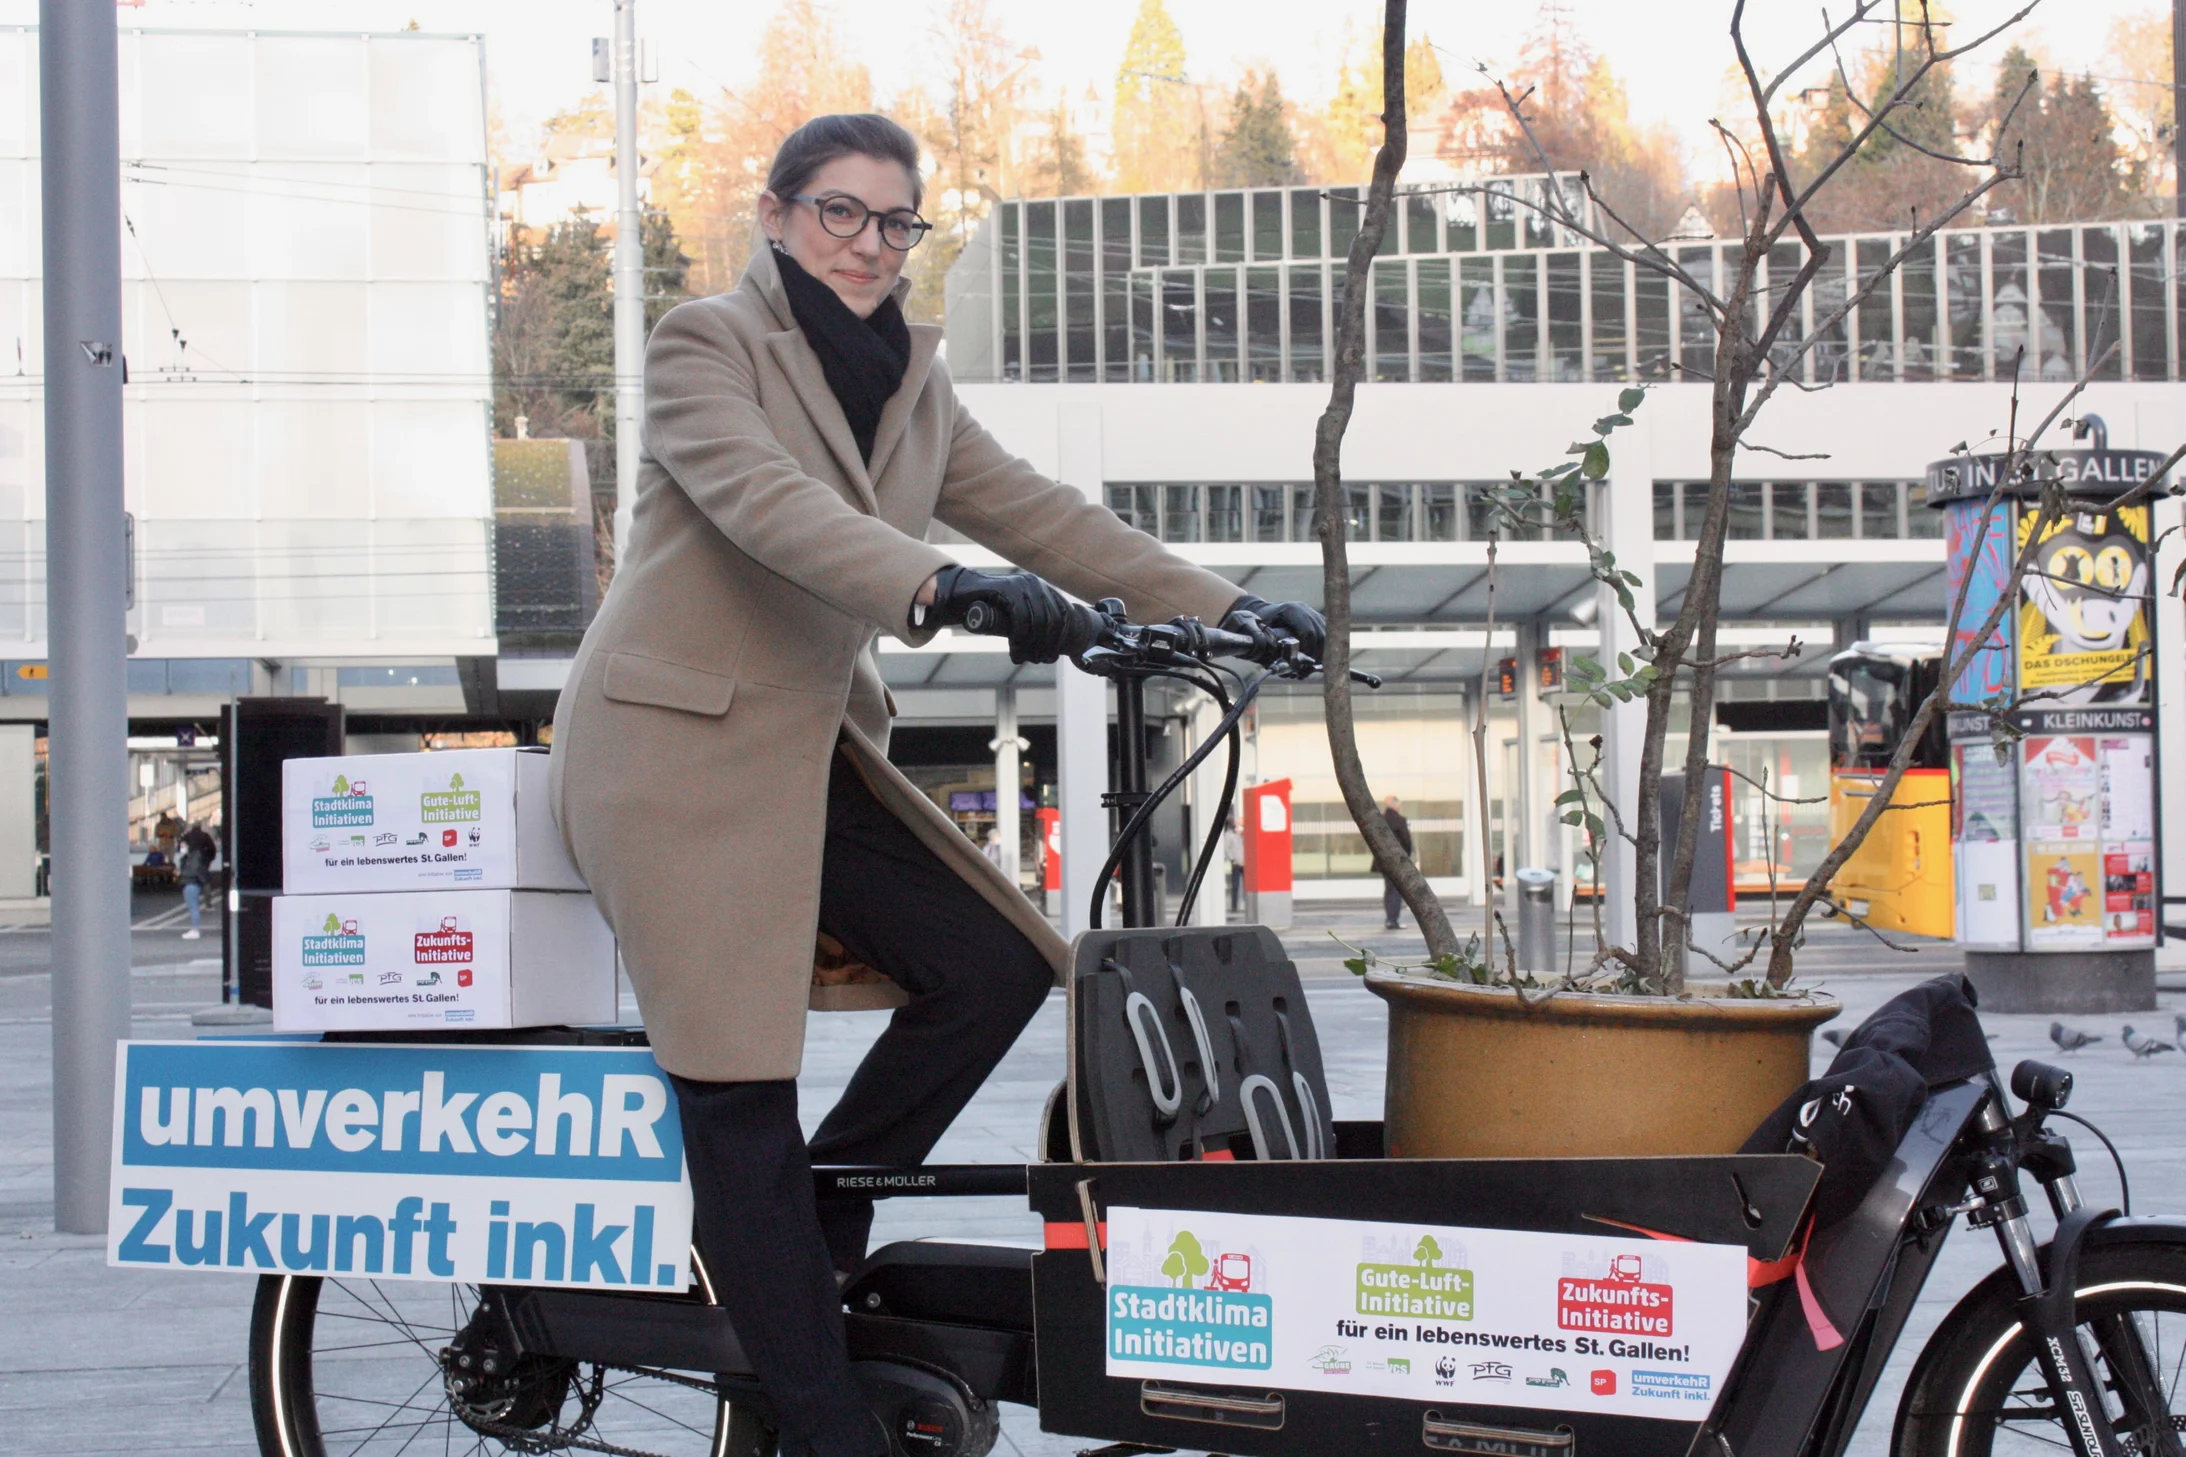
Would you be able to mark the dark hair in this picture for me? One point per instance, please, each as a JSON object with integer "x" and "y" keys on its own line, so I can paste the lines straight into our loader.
{"x": 825, "y": 138}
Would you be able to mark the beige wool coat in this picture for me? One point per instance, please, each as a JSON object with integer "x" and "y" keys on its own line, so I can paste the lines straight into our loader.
{"x": 693, "y": 743}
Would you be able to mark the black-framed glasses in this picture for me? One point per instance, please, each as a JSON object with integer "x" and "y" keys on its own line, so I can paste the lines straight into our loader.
{"x": 845, "y": 217}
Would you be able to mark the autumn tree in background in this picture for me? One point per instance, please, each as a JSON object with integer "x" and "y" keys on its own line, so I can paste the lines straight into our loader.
{"x": 2138, "y": 63}
{"x": 1257, "y": 147}
{"x": 554, "y": 331}
{"x": 1057, "y": 166}
{"x": 2074, "y": 165}
{"x": 1158, "y": 130}
{"x": 1340, "y": 140}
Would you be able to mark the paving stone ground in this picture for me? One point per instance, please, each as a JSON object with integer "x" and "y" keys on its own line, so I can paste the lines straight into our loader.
{"x": 95, "y": 1360}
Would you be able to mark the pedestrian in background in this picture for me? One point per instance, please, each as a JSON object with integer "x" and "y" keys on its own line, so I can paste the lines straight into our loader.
{"x": 198, "y": 850}
{"x": 1399, "y": 826}
{"x": 1233, "y": 851}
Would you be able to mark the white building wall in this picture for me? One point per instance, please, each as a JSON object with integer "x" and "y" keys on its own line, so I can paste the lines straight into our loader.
{"x": 311, "y": 475}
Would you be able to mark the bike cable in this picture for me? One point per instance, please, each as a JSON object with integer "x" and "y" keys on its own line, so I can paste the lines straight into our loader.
{"x": 2125, "y": 1187}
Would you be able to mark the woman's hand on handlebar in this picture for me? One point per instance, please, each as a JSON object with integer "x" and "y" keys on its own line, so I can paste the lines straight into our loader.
{"x": 1267, "y": 623}
{"x": 1040, "y": 622}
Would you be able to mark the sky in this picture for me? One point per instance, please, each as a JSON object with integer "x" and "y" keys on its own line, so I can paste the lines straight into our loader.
{"x": 1673, "y": 55}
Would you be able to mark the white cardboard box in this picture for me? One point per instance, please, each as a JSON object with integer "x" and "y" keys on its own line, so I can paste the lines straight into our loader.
{"x": 405, "y": 960}
{"x": 471, "y": 818}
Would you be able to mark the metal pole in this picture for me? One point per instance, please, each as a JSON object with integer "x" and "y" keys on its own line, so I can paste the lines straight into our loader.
{"x": 1140, "y": 905}
{"x": 1008, "y": 779}
{"x": 629, "y": 273}
{"x": 87, "y": 714}
{"x": 2178, "y": 107}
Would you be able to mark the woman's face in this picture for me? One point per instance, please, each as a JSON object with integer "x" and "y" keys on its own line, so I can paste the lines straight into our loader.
{"x": 863, "y": 269}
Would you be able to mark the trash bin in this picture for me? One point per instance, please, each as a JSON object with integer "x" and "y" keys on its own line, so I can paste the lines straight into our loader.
{"x": 1537, "y": 921}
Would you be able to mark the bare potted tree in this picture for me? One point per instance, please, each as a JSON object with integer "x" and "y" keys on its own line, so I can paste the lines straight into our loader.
{"x": 1484, "y": 1059}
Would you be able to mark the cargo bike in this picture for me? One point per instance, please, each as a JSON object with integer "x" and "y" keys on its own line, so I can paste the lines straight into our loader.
{"x": 1196, "y": 1101}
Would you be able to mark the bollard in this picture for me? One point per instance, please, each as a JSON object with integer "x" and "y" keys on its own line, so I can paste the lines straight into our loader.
{"x": 1537, "y": 921}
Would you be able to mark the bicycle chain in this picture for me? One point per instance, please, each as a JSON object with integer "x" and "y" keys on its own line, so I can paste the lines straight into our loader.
{"x": 562, "y": 1439}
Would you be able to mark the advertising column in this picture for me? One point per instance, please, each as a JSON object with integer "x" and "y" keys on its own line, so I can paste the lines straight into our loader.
{"x": 2053, "y": 731}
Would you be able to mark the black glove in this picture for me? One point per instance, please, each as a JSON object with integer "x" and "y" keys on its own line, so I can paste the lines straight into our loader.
{"x": 1040, "y": 622}
{"x": 1265, "y": 621}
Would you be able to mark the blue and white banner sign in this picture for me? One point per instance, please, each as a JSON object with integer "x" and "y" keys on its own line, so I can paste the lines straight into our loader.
{"x": 527, "y": 1165}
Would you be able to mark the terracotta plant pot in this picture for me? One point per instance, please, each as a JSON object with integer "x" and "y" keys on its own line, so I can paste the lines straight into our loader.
{"x": 1474, "y": 1072}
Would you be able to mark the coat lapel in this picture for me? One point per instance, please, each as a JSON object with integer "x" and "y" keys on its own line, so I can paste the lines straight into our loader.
{"x": 797, "y": 360}
{"x": 895, "y": 418}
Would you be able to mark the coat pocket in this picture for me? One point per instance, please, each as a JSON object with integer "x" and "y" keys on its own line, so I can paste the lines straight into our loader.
{"x": 634, "y": 678}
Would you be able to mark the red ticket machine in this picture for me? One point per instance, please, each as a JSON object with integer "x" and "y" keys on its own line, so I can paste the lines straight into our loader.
{"x": 1051, "y": 856}
{"x": 1266, "y": 827}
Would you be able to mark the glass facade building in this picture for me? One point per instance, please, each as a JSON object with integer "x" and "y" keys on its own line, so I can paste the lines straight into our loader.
{"x": 1222, "y": 287}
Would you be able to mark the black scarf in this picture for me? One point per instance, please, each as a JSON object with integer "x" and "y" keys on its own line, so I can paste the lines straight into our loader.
{"x": 864, "y": 359}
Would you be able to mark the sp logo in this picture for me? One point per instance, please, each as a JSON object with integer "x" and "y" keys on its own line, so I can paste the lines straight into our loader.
{"x": 1603, "y": 1383}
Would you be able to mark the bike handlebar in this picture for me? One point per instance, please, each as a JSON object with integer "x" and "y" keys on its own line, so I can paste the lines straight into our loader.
{"x": 1114, "y": 644}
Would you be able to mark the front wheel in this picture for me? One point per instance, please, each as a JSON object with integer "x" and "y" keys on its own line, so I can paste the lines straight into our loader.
{"x": 1978, "y": 1389}
{"x": 369, "y": 1368}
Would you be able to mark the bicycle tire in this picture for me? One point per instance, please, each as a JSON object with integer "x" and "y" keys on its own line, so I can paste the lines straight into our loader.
{"x": 1976, "y": 1390}
{"x": 300, "y": 1333}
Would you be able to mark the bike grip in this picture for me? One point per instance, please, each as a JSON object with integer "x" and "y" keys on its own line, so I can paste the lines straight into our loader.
{"x": 1083, "y": 629}
{"x": 985, "y": 618}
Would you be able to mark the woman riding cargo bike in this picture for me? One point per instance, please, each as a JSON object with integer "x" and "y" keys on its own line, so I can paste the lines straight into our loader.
{"x": 721, "y": 750}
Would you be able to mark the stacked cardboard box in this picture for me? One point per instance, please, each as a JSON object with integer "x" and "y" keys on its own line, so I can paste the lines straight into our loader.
{"x": 432, "y": 890}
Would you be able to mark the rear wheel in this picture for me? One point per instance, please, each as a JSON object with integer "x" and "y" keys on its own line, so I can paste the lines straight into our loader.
{"x": 1979, "y": 1392}
{"x": 367, "y": 1368}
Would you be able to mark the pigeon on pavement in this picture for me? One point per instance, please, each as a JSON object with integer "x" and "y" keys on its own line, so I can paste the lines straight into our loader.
{"x": 2178, "y": 1021}
{"x": 2143, "y": 1046}
{"x": 2070, "y": 1039}
{"x": 1833, "y": 1037}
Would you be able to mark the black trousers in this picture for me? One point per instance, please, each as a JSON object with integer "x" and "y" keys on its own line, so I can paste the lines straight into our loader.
{"x": 773, "y": 1250}
{"x": 1391, "y": 901}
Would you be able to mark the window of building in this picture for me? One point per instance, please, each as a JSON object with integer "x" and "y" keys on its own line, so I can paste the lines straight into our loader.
{"x": 1651, "y": 313}
{"x": 1392, "y": 342}
{"x": 1917, "y": 358}
{"x": 1566, "y": 310}
{"x": 1012, "y": 325}
{"x": 1308, "y": 364}
{"x": 1180, "y": 513}
{"x": 1116, "y": 289}
{"x": 1229, "y": 227}
{"x": 1344, "y": 209}
{"x": 1921, "y": 520}
{"x": 2147, "y": 335}
{"x": 1499, "y": 214}
{"x": 1833, "y": 510}
{"x": 1745, "y": 522}
{"x": 1263, "y": 324}
{"x": 1043, "y": 341}
{"x": 1154, "y": 232}
{"x": 1962, "y": 304}
{"x": 1692, "y": 509}
{"x": 1438, "y": 512}
{"x": 2057, "y": 343}
{"x": 1191, "y": 227}
{"x": 1461, "y": 214}
{"x": 1419, "y": 224}
{"x": 1476, "y": 319}
{"x": 1521, "y": 317}
{"x": 1790, "y": 511}
{"x": 2010, "y": 306}
{"x": 1881, "y": 510}
{"x": 1433, "y": 316}
{"x": 1223, "y": 363}
{"x": 1666, "y": 494}
{"x": 1267, "y": 226}
{"x": 1696, "y": 330}
{"x": 1081, "y": 355}
{"x": 1305, "y": 222}
{"x": 1180, "y": 326}
{"x": 1225, "y": 513}
{"x": 1878, "y": 358}
{"x": 1139, "y": 506}
{"x": 1393, "y": 513}
{"x": 1606, "y": 281}
{"x": 406, "y": 676}
{"x": 1144, "y": 340}
{"x": 2103, "y": 301}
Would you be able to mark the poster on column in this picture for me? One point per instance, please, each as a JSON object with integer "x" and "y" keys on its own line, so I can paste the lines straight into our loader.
{"x": 1495, "y": 1317}
{"x": 2083, "y": 620}
{"x": 2128, "y": 840}
{"x": 2060, "y": 799}
{"x": 1985, "y": 832}
{"x": 1985, "y": 576}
